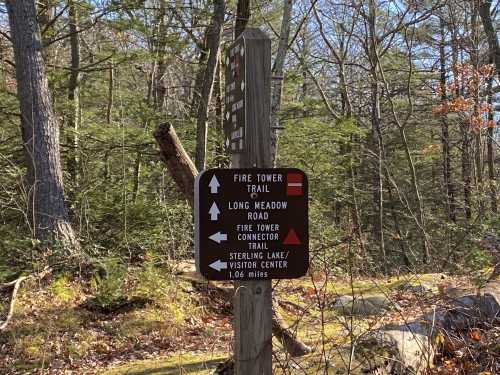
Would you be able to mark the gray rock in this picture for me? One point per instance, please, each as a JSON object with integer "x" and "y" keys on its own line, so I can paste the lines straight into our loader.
{"x": 418, "y": 289}
{"x": 470, "y": 308}
{"x": 379, "y": 301}
{"x": 402, "y": 349}
{"x": 361, "y": 306}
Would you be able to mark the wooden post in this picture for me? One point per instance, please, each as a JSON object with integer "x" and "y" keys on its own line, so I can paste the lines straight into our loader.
{"x": 253, "y": 299}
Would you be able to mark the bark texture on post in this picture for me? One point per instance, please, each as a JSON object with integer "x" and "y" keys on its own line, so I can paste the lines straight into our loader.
{"x": 253, "y": 299}
{"x": 40, "y": 129}
{"x": 208, "y": 85}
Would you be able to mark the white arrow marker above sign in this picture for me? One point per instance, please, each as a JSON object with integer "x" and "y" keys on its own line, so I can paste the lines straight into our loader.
{"x": 214, "y": 185}
{"x": 214, "y": 212}
{"x": 218, "y": 237}
{"x": 218, "y": 265}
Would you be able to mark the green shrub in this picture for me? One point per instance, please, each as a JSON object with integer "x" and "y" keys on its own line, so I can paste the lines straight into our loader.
{"x": 477, "y": 265}
{"x": 108, "y": 282}
{"x": 62, "y": 289}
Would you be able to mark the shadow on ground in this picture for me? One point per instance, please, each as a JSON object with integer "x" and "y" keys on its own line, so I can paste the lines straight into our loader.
{"x": 156, "y": 367}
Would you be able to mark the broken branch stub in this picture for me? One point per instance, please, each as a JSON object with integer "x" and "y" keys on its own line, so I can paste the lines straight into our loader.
{"x": 178, "y": 162}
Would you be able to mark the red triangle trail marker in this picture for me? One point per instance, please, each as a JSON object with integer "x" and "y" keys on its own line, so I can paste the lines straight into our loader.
{"x": 291, "y": 238}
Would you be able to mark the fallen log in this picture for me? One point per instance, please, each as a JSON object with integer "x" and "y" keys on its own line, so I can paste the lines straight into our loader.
{"x": 178, "y": 162}
{"x": 183, "y": 171}
{"x": 16, "y": 284}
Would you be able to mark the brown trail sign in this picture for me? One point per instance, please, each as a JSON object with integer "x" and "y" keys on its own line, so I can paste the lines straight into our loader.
{"x": 251, "y": 224}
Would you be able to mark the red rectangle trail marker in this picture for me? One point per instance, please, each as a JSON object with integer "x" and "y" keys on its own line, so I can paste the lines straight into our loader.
{"x": 294, "y": 184}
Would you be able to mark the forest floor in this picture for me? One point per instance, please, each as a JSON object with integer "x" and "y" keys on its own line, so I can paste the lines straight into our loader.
{"x": 181, "y": 329}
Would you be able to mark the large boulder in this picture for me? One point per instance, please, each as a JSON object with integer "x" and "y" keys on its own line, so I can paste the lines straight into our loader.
{"x": 396, "y": 349}
{"x": 409, "y": 348}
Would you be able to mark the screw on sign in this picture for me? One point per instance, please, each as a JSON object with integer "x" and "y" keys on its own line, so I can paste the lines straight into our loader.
{"x": 251, "y": 224}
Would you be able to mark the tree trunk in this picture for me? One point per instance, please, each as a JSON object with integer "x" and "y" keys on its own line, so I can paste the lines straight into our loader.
{"x": 157, "y": 88}
{"x": 219, "y": 113}
{"x": 354, "y": 202}
{"x": 465, "y": 157}
{"x": 277, "y": 84}
{"x": 418, "y": 197}
{"x": 159, "y": 45}
{"x": 161, "y": 86}
{"x": 304, "y": 52}
{"x": 219, "y": 101}
{"x": 445, "y": 135}
{"x": 137, "y": 175}
{"x": 109, "y": 110}
{"x": 489, "y": 29}
{"x": 242, "y": 17}
{"x": 109, "y": 118}
{"x": 73, "y": 93}
{"x": 466, "y": 169}
{"x": 45, "y": 14}
{"x": 200, "y": 74}
{"x": 478, "y": 157}
{"x": 208, "y": 85}
{"x": 491, "y": 153}
{"x": 40, "y": 130}
{"x": 376, "y": 134}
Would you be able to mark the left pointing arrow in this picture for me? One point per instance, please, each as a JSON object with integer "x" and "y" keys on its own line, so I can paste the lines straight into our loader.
{"x": 214, "y": 212}
{"x": 218, "y": 237}
{"x": 218, "y": 265}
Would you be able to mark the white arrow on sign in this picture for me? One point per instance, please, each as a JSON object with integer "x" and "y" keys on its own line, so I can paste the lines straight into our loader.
{"x": 214, "y": 185}
{"x": 214, "y": 212}
{"x": 218, "y": 237}
{"x": 218, "y": 265}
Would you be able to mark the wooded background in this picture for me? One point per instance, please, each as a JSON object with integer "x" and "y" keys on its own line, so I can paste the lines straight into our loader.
{"x": 388, "y": 106}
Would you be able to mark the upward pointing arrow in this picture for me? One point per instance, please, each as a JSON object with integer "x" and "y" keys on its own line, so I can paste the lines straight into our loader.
{"x": 214, "y": 185}
{"x": 214, "y": 212}
{"x": 218, "y": 237}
